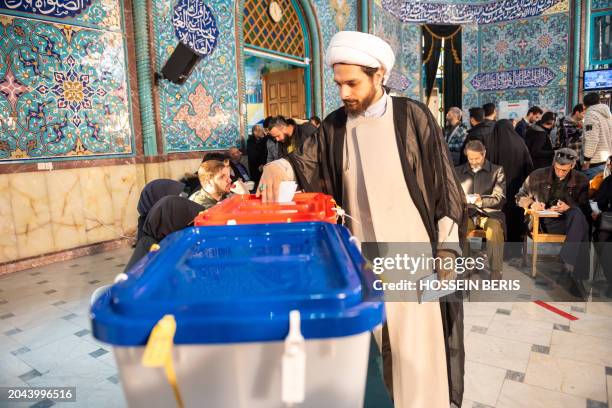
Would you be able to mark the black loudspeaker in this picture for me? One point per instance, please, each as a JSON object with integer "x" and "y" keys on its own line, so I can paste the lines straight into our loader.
{"x": 180, "y": 64}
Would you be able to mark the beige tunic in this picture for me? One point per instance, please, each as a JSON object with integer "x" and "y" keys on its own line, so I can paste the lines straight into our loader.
{"x": 376, "y": 196}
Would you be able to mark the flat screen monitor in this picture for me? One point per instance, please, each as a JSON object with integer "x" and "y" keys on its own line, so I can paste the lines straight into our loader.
{"x": 597, "y": 80}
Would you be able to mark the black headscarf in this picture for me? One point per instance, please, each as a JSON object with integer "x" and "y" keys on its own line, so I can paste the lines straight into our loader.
{"x": 151, "y": 193}
{"x": 169, "y": 214}
{"x": 155, "y": 190}
{"x": 507, "y": 148}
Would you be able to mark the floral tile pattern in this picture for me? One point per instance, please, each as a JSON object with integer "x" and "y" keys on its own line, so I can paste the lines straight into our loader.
{"x": 404, "y": 39}
{"x": 535, "y": 43}
{"x": 330, "y": 23}
{"x": 203, "y": 113}
{"x": 63, "y": 91}
{"x": 601, "y": 4}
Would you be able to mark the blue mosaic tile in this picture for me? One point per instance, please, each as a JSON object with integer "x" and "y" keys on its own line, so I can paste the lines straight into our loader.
{"x": 333, "y": 17}
{"x": 12, "y": 332}
{"x": 20, "y": 351}
{"x": 82, "y": 333}
{"x": 202, "y": 113}
{"x": 99, "y": 352}
{"x": 30, "y": 375}
{"x": 66, "y": 87}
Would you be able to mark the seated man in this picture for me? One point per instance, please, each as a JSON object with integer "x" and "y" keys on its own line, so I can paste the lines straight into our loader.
{"x": 484, "y": 184}
{"x": 562, "y": 189}
{"x": 216, "y": 183}
{"x": 237, "y": 169}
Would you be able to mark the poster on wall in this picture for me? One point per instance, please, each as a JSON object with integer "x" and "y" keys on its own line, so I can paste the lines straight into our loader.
{"x": 513, "y": 109}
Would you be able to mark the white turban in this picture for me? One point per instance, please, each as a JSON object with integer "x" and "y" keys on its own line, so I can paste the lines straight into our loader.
{"x": 357, "y": 48}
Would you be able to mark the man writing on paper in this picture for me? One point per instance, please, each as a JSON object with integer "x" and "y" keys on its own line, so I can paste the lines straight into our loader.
{"x": 384, "y": 161}
{"x": 562, "y": 189}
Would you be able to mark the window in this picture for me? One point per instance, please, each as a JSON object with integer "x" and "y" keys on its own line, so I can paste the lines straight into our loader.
{"x": 601, "y": 38}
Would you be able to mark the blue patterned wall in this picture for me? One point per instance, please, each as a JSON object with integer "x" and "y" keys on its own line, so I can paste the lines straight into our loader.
{"x": 405, "y": 40}
{"x": 534, "y": 46}
{"x": 63, "y": 87}
{"x": 601, "y": 4}
{"x": 202, "y": 113}
{"x": 333, "y": 16}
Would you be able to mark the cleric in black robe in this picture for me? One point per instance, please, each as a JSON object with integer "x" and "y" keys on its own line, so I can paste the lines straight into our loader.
{"x": 428, "y": 176}
{"x": 507, "y": 149}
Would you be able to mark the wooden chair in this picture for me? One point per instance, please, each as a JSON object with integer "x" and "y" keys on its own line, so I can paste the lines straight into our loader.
{"x": 538, "y": 237}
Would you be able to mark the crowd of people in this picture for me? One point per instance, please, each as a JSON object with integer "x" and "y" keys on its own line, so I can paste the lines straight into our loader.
{"x": 511, "y": 168}
{"x": 498, "y": 173}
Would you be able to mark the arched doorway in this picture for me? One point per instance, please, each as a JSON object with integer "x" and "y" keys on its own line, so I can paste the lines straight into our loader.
{"x": 280, "y": 61}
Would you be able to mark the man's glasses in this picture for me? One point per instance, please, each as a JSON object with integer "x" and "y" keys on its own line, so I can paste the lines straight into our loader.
{"x": 562, "y": 155}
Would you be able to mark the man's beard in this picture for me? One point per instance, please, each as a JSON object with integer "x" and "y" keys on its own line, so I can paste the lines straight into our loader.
{"x": 355, "y": 107}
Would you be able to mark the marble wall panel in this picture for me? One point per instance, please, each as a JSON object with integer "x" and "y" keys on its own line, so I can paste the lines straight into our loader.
{"x": 31, "y": 214}
{"x": 66, "y": 208}
{"x": 125, "y": 191}
{"x": 8, "y": 239}
{"x": 96, "y": 191}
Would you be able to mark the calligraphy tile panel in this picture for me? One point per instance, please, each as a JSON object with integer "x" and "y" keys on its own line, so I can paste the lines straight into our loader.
{"x": 405, "y": 40}
{"x": 203, "y": 113}
{"x": 63, "y": 91}
{"x": 333, "y": 16}
{"x": 103, "y": 14}
{"x": 601, "y": 4}
{"x": 538, "y": 44}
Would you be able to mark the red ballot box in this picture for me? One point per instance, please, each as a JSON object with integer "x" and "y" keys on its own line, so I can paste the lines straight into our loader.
{"x": 248, "y": 209}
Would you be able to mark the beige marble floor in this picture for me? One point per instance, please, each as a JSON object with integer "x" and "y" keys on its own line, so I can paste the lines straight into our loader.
{"x": 517, "y": 354}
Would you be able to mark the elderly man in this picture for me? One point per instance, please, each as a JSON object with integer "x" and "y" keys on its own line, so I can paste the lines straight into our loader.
{"x": 371, "y": 143}
{"x": 562, "y": 189}
{"x": 454, "y": 133}
{"x": 238, "y": 170}
{"x": 485, "y": 187}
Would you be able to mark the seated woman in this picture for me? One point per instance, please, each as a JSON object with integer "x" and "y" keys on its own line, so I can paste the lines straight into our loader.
{"x": 151, "y": 194}
{"x": 214, "y": 176}
{"x": 169, "y": 214}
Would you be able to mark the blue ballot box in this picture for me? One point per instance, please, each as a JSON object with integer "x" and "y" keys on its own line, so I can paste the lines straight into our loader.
{"x": 244, "y": 316}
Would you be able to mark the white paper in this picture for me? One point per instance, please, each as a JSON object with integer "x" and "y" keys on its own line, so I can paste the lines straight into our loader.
{"x": 286, "y": 191}
{"x": 548, "y": 212}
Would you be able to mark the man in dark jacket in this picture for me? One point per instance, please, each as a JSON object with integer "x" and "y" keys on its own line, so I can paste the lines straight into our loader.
{"x": 533, "y": 115}
{"x": 562, "y": 189}
{"x": 257, "y": 152}
{"x": 484, "y": 184}
{"x": 289, "y": 135}
{"x": 481, "y": 130}
{"x": 538, "y": 141}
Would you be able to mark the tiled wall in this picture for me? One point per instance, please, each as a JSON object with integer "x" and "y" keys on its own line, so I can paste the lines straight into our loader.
{"x": 63, "y": 83}
{"x": 537, "y": 42}
{"x": 203, "y": 113}
{"x": 333, "y": 16}
{"x": 405, "y": 40}
{"x": 531, "y": 43}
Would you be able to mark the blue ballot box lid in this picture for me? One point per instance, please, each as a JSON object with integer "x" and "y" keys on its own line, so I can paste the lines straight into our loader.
{"x": 228, "y": 284}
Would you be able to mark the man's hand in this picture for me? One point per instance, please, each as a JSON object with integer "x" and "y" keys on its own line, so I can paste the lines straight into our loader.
{"x": 269, "y": 183}
{"x": 595, "y": 215}
{"x": 446, "y": 274}
{"x": 478, "y": 200}
{"x": 537, "y": 206}
{"x": 560, "y": 207}
{"x": 585, "y": 165}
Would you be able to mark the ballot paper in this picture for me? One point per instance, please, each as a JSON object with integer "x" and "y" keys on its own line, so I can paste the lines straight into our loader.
{"x": 547, "y": 212}
{"x": 286, "y": 191}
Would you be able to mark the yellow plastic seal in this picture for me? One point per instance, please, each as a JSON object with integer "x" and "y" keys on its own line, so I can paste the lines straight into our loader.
{"x": 158, "y": 352}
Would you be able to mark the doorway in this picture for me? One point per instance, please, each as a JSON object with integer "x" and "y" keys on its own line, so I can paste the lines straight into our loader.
{"x": 284, "y": 93}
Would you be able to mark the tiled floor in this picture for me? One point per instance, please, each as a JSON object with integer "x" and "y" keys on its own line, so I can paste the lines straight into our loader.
{"x": 518, "y": 354}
